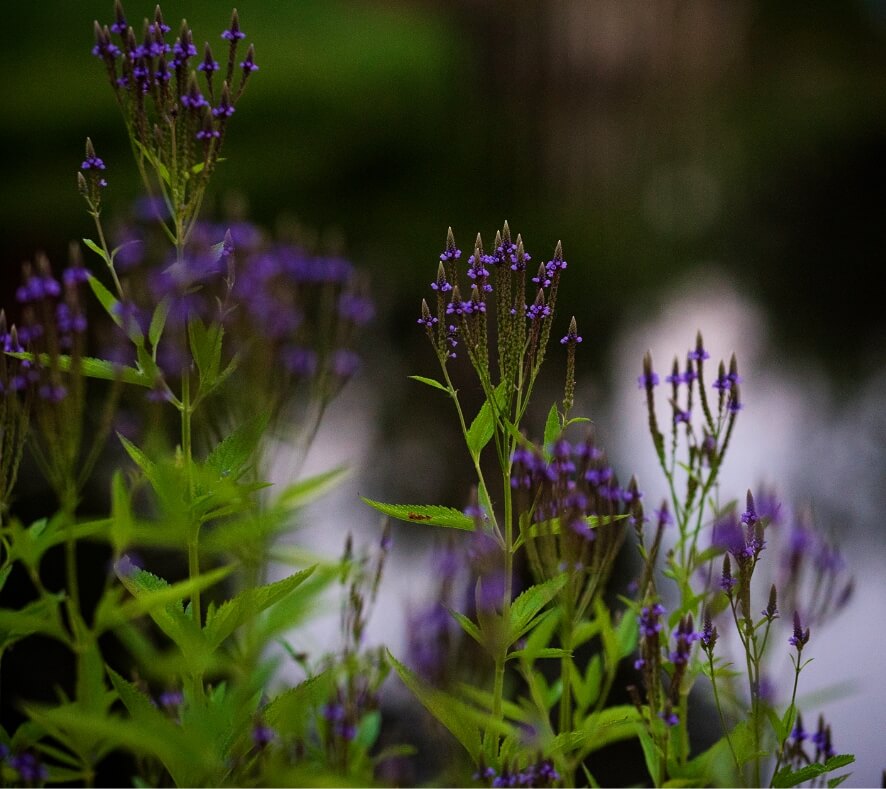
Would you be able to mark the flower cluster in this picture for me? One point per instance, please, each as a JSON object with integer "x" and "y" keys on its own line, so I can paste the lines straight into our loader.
{"x": 177, "y": 120}
{"x": 27, "y": 764}
{"x": 540, "y": 774}
{"x": 573, "y": 507}
{"x": 292, "y": 316}
{"x": 496, "y": 282}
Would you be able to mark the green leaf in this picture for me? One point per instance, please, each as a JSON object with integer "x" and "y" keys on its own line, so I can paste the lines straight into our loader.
{"x": 97, "y": 249}
{"x": 39, "y": 616}
{"x": 430, "y": 382}
{"x": 530, "y": 603}
{"x": 463, "y": 722}
{"x": 230, "y": 456}
{"x": 158, "y": 321}
{"x": 4, "y": 574}
{"x": 485, "y": 699}
{"x": 249, "y": 604}
{"x": 162, "y": 169}
{"x": 206, "y": 348}
{"x": 552, "y": 427}
{"x": 627, "y": 632}
{"x": 189, "y": 759}
{"x": 787, "y": 777}
{"x": 112, "y": 307}
{"x": 291, "y": 713}
{"x": 587, "y": 689}
{"x": 481, "y": 429}
{"x": 307, "y": 490}
{"x": 89, "y": 366}
{"x": 140, "y": 459}
{"x": 600, "y": 729}
{"x": 544, "y": 652}
{"x": 467, "y": 625}
{"x": 122, "y": 522}
{"x": 425, "y": 514}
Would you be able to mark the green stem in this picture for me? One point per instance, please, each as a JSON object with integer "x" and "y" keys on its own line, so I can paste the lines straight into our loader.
{"x": 722, "y": 717}
{"x": 108, "y": 259}
{"x": 787, "y": 734}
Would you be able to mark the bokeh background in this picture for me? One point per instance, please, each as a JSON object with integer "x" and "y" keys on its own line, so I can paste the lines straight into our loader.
{"x": 708, "y": 165}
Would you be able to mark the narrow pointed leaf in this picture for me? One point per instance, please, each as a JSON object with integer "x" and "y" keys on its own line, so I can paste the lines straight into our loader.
{"x": 430, "y": 382}
{"x": 425, "y": 514}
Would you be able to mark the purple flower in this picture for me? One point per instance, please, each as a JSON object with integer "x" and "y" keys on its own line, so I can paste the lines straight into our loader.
{"x": 649, "y": 620}
{"x": 800, "y": 636}
{"x": 345, "y": 363}
{"x": 92, "y": 163}
{"x": 28, "y": 767}
{"x": 450, "y": 253}
{"x": 709, "y": 634}
{"x": 194, "y": 99}
{"x": 262, "y": 735}
{"x": 183, "y": 49}
{"x": 299, "y": 360}
{"x": 648, "y": 380}
{"x": 225, "y": 109}
{"x": 209, "y": 64}
{"x": 248, "y": 64}
{"x": 171, "y": 699}
{"x": 355, "y": 308}
{"x": 669, "y": 717}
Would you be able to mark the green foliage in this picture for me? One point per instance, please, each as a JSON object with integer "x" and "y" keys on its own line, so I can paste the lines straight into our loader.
{"x": 424, "y": 514}
{"x": 788, "y": 777}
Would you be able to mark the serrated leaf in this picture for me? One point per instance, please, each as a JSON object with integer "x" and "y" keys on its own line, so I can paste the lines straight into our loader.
{"x": 292, "y": 712}
{"x": 206, "y": 348}
{"x": 140, "y": 459}
{"x": 600, "y": 729}
{"x": 467, "y": 625}
{"x": 89, "y": 366}
{"x": 39, "y": 616}
{"x": 463, "y": 721}
{"x": 425, "y": 514}
{"x": 430, "y": 382}
{"x": 530, "y": 603}
{"x": 188, "y": 759}
{"x": 230, "y": 456}
{"x": 163, "y": 603}
{"x": 249, "y": 604}
{"x": 786, "y": 777}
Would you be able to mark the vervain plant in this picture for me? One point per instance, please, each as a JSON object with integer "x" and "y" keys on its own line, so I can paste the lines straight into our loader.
{"x": 208, "y": 337}
{"x": 557, "y": 507}
{"x": 195, "y": 705}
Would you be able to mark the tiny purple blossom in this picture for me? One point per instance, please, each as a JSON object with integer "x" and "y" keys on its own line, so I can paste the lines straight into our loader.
{"x": 648, "y": 381}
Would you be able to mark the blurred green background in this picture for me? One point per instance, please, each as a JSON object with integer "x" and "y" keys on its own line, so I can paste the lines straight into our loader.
{"x": 653, "y": 138}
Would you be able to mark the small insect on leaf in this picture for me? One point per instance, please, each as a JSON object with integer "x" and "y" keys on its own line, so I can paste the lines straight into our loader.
{"x": 415, "y": 516}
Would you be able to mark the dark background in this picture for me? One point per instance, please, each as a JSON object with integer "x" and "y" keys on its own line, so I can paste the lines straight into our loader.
{"x": 655, "y": 139}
